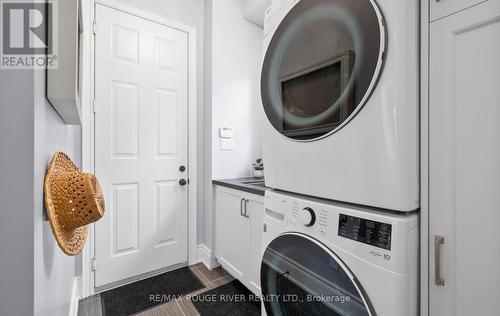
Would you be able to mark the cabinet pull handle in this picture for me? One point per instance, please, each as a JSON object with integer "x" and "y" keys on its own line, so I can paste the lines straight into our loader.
{"x": 245, "y": 214}
{"x": 241, "y": 206}
{"x": 438, "y": 241}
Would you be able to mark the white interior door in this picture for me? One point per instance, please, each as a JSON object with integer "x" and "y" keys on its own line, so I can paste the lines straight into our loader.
{"x": 141, "y": 87}
{"x": 464, "y": 162}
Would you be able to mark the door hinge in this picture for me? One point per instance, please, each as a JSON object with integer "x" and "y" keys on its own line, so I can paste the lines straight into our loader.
{"x": 94, "y": 27}
{"x": 93, "y": 105}
{"x": 94, "y": 264}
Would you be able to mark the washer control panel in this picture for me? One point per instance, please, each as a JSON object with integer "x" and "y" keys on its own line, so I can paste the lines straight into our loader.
{"x": 381, "y": 238}
{"x": 366, "y": 231}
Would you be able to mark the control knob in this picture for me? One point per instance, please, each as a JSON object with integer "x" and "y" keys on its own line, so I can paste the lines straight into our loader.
{"x": 307, "y": 217}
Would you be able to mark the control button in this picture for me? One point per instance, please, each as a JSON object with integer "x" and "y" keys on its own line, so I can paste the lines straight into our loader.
{"x": 322, "y": 231}
{"x": 307, "y": 217}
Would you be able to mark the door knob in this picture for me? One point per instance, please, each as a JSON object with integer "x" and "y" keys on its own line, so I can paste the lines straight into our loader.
{"x": 183, "y": 182}
{"x": 182, "y": 168}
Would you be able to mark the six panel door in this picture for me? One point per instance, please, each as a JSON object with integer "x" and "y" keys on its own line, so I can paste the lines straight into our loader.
{"x": 141, "y": 85}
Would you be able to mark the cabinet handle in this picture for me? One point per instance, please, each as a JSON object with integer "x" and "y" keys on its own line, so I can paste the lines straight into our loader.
{"x": 245, "y": 214}
{"x": 241, "y": 206}
{"x": 438, "y": 241}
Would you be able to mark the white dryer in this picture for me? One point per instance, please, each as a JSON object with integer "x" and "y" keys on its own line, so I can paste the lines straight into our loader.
{"x": 321, "y": 258}
{"x": 339, "y": 87}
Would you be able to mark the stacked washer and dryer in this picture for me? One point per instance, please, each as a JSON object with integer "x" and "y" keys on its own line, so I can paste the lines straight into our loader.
{"x": 340, "y": 92}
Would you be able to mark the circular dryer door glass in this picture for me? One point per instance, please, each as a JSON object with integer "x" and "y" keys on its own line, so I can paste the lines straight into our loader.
{"x": 299, "y": 276}
{"x": 321, "y": 66}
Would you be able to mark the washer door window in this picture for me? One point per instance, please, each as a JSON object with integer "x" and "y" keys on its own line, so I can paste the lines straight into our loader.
{"x": 321, "y": 66}
{"x": 299, "y": 276}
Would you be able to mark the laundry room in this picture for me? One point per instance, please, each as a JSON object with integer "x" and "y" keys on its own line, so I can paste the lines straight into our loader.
{"x": 250, "y": 157}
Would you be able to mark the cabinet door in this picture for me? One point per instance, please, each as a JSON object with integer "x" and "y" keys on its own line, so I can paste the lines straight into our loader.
{"x": 230, "y": 232}
{"x": 255, "y": 210}
{"x": 464, "y": 162}
{"x": 442, "y": 8}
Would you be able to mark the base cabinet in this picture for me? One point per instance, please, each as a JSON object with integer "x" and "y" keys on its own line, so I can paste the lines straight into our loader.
{"x": 238, "y": 228}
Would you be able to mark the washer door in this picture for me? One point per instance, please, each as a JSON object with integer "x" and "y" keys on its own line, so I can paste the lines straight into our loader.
{"x": 321, "y": 66}
{"x": 300, "y": 276}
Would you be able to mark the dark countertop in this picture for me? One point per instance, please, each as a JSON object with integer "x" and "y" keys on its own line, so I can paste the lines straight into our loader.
{"x": 244, "y": 184}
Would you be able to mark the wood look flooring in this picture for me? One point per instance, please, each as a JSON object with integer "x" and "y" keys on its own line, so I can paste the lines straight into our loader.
{"x": 92, "y": 306}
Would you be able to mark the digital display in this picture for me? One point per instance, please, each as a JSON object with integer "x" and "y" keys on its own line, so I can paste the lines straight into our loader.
{"x": 366, "y": 231}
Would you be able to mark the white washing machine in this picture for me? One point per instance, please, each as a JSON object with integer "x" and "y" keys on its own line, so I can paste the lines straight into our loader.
{"x": 340, "y": 91}
{"x": 325, "y": 258}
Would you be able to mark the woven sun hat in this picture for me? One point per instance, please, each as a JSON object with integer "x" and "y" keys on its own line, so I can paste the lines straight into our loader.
{"x": 73, "y": 200}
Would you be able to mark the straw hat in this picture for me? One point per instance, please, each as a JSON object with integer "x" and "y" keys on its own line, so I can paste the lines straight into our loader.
{"x": 73, "y": 200}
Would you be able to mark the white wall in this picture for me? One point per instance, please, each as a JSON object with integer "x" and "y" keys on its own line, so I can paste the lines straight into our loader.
{"x": 54, "y": 270}
{"x": 16, "y": 192}
{"x": 233, "y": 55}
{"x": 206, "y": 218}
{"x": 236, "y": 64}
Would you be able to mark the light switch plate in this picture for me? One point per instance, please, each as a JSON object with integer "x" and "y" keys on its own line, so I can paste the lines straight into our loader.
{"x": 227, "y": 143}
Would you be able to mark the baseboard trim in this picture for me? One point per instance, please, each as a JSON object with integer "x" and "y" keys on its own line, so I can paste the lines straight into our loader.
{"x": 205, "y": 256}
{"x": 76, "y": 294}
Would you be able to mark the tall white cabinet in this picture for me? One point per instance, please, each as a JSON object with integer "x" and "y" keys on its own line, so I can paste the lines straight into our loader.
{"x": 461, "y": 184}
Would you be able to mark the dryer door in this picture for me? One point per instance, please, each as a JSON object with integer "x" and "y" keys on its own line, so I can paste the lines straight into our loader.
{"x": 321, "y": 66}
{"x": 300, "y": 276}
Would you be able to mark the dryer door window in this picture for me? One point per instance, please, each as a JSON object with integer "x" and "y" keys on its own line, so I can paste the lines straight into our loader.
{"x": 300, "y": 276}
{"x": 321, "y": 66}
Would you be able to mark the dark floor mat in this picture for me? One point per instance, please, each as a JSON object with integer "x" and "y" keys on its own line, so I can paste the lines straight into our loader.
{"x": 230, "y": 299}
{"x": 144, "y": 294}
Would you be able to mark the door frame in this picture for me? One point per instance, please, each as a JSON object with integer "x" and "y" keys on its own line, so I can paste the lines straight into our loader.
{"x": 424, "y": 158}
{"x": 88, "y": 124}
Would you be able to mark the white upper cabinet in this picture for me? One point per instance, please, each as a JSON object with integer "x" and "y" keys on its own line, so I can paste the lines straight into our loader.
{"x": 63, "y": 81}
{"x": 442, "y": 8}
